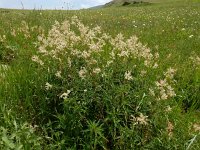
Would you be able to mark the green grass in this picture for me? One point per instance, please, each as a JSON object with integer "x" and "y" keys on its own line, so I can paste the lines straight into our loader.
{"x": 104, "y": 110}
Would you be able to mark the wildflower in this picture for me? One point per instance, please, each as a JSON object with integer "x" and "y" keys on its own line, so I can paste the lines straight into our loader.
{"x": 128, "y": 76}
{"x": 123, "y": 53}
{"x": 170, "y": 128}
{"x": 151, "y": 92}
{"x": 196, "y": 127}
{"x": 170, "y": 73}
{"x": 161, "y": 83}
{"x": 169, "y": 55}
{"x": 164, "y": 96}
{"x": 42, "y": 50}
{"x": 82, "y": 73}
{"x": 13, "y": 32}
{"x": 168, "y": 109}
{"x": 2, "y": 38}
{"x": 155, "y": 66}
{"x": 147, "y": 63}
{"x": 58, "y": 74}
{"x": 142, "y": 119}
{"x": 48, "y": 86}
{"x": 97, "y": 70}
{"x": 37, "y": 60}
{"x": 108, "y": 63}
{"x": 166, "y": 91}
{"x": 170, "y": 91}
{"x": 157, "y": 55}
{"x": 143, "y": 73}
{"x": 85, "y": 54}
{"x": 191, "y": 36}
{"x": 65, "y": 95}
{"x": 195, "y": 60}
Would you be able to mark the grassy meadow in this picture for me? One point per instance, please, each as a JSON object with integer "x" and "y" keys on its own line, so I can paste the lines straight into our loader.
{"x": 116, "y": 78}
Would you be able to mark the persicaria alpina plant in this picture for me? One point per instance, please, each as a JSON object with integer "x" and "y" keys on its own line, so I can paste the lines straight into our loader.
{"x": 90, "y": 74}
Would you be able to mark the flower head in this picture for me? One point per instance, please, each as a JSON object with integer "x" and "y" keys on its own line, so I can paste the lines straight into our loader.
{"x": 128, "y": 75}
{"x": 48, "y": 86}
{"x": 142, "y": 119}
{"x": 65, "y": 95}
{"x": 82, "y": 73}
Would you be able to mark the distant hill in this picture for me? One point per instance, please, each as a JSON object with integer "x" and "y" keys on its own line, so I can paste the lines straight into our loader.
{"x": 126, "y": 3}
{"x": 97, "y": 7}
{"x": 114, "y": 3}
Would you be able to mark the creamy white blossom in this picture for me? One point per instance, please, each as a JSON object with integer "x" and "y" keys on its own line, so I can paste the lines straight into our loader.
{"x": 65, "y": 95}
{"x": 128, "y": 75}
{"x": 48, "y": 86}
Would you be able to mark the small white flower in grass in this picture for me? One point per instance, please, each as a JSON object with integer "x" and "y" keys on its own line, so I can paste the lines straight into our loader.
{"x": 143, "y": 73}
{"x": 161, "y": 83}
{"x": 65, "y": 95}
{"x": 85, "y": 54}
{"x": 155, "y": 66}
{"x": 2, "y": 38}
{"x": 108, "y": 63}
{"x": 170, "y": 73}
{"x": 168, "y": 109}
{"x": 170, "y": 89}
{"x": 13, "y": 32}
{"x": 146, "y": 63}
{"x": 151, "y": 92}
{"x": 142, "y": 119}
{"x": 42, "y": 50}
{"x": 82, "y": 73}
{"x": 196, "y": 127}
{"x": 123, "y": 53}
{"x": 170, "y": 128}
{"x": 58, "y": 74}
{"x": 128, "y": 75}
{"x": 164, "y": 96}
{"x": 97, "y": 70}
{"x": 191, "y": 36}
{"x": 37, "y": 60}
{"x": 48, "y": 86}
{"x": 157, "y": 55}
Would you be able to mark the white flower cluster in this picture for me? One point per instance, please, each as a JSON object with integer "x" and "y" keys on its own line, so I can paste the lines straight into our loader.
{"x": 23, "y": 29}
{"x": 141, "y": 119}
{"x": 128, "y": 75}
{"x": 166, "y": 91}
{"x": 90, "y": 52}
{"x": 163, "y": 88}
{"x": 2, "y": 38}
{"x": 37, "y": 60}
{"x": 195, "y": 60}
{"x": 133, "y": 48}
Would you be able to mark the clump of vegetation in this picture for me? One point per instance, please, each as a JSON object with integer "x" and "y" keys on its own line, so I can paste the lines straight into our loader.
{"x": 7, "y": 53}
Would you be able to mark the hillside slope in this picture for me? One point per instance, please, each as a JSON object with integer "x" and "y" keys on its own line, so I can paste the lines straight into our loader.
{"x": 115, "y": 3}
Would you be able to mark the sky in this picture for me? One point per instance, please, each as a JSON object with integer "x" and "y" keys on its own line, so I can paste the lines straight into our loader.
{"x": 50, "y": 4}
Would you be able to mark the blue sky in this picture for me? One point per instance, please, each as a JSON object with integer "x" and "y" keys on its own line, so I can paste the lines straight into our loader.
{"x": 51, "y": 4}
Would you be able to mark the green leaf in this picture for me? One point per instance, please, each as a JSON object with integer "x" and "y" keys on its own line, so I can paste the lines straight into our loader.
{"x": 8, "y": 142}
